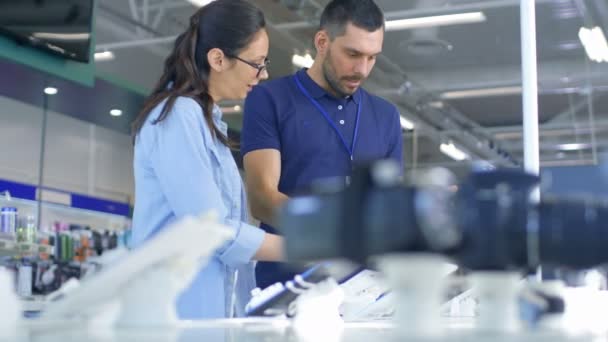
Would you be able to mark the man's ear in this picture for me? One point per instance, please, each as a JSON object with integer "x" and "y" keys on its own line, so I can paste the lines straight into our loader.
{"x": 322, "y": 40}
{"x": 217, "y": 59}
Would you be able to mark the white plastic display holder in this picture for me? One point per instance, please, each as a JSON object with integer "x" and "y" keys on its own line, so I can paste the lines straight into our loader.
{"x": 418, "y": 282}
{"x": 150, "y": 299}
{"x": 497, "y": 293}
{"x": 10, "y": 307}
{"x": 317, "y": 315}
{"x": 149, "y": 279}
{"x": 553, "y": 321}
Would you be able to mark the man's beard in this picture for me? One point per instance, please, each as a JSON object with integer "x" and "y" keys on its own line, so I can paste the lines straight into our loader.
{"x": 332, "y": 80}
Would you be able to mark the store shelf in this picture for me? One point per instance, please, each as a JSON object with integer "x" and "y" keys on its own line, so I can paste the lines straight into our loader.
{"x": 52, "y": 212}
{"x": 65, "y": 199}
{"x": 13, "y": 248}
{"x": 36, "y": 303}
{"x": 61, "y": 207}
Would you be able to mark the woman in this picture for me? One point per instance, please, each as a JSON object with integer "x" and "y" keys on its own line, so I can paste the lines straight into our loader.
{"x": 183, "y": 165}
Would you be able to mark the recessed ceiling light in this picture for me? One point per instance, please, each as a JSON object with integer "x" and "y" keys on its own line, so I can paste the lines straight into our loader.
{"x": 50, "y": 90}
{"x": 406, "y": 124}
{"x": 439, "y": 20}
{"x": 104, "y": 56}
{"x": 595, "y": 43}
{"x": 199, "y": 3}
{"x": 481, "y": 92}
{"x": 574, "y": 146}
{"x": 569, "y": 45}
{"x": 116, "y": 112}
{"x": 437, "y": 104}
{"x": 453, "y": 152}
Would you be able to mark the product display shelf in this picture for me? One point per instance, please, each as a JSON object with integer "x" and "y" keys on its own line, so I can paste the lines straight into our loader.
{"x": 10, "y": 248}
{"x": 58, "y": 205}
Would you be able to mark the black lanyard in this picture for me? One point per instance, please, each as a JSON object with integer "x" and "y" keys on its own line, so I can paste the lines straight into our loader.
{"x": 351, "y": 150}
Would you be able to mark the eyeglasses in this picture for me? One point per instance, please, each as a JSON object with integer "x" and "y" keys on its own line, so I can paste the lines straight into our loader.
{"x": 260, "y": 67}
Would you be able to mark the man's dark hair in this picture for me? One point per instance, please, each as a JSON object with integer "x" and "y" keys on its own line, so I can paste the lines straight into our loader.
{"x": 364, "y": 14}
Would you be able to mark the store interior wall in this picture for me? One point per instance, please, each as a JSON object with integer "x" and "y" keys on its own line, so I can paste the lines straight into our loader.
{"x": 80, "y": 157}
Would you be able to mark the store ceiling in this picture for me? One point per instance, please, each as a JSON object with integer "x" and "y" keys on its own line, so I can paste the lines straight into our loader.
{"x": 423, "y": 71}
{"x": 91, "y": 104}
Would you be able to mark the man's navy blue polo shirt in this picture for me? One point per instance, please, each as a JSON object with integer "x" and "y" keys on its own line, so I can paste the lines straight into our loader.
{"x": 278, "y": 115}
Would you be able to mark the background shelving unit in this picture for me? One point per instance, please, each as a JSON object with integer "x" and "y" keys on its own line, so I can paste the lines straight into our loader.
{"x": 57, "y": 205}
{"x": 12, "y": 248}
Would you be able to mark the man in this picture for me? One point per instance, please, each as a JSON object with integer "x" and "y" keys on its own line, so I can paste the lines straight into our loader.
{"x": 317, "y": 123}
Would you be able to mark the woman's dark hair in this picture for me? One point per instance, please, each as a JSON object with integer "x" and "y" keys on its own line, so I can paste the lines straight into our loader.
{"x": 229, "y": 25}
{"x": 364, "y": 14}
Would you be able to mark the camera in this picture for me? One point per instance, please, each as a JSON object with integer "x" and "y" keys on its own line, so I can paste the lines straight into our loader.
{"x": 486, "y": 222}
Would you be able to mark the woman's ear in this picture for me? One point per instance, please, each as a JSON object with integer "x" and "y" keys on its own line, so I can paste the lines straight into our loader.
{"x": 217, "y": 59}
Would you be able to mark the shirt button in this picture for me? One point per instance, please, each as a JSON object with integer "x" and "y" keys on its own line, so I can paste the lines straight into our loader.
{"x": 341, "y": 122}
{"x": 340, "y": 107}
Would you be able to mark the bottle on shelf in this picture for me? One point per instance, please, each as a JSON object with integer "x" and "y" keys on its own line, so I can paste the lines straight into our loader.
{"x": 26, "y": 229}
{"x": 44, "y": 238}
{"x": 8, "y": 222}
{"x": 25, "y": 279}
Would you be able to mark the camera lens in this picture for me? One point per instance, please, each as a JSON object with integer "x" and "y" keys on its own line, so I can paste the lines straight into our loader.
{"x": 572, "y": 232}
